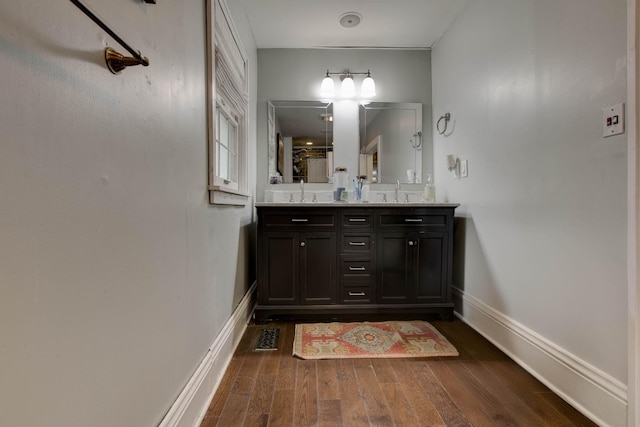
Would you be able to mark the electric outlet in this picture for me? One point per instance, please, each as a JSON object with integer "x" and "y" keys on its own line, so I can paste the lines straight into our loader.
{"x": 613, "y": 120}
{"x": 464, "y": 168}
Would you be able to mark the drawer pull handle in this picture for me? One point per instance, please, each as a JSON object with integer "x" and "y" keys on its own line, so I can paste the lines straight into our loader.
{"x": 299, "y": 220}
{"x": 303, "y": 244}
{"x": 413, "y": 220}
{"x": 357, "y": 244}
{"x": 357, "y": 269}
{"x": 357, "y": 294}
{"x": 357, "y": 219}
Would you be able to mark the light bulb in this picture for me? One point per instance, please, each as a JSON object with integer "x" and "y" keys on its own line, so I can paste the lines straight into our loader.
{"x": 368, "y": 88}
{"x": 348, "y": 88}
{"x": 327, "y": 90}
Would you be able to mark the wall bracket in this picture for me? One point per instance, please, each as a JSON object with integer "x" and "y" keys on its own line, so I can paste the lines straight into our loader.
{"x": 116, "y": 62}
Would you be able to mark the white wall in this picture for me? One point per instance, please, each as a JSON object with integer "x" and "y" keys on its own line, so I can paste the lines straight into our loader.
{"x": 545, "y": 202}
{"x": 295, "y": 74}
{"x": 116, "y": 275}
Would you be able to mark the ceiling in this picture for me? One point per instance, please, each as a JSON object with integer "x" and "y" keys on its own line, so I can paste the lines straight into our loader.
{"x": 384, "y": 24}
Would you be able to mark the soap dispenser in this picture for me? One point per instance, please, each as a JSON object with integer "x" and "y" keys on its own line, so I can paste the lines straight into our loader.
{"x": 429, "y": 195}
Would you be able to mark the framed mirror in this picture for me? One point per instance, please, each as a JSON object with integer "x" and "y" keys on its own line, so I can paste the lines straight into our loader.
{"x": 391, "y": 142}
{"x": 300, "y": 141}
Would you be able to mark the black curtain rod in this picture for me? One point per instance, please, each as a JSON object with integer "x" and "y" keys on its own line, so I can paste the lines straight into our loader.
{"x": 105, "y": 27}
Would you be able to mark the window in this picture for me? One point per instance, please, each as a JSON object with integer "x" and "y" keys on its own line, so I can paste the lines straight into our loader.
{"x": 226, "y": 146}
{"x": 228, "y": 89}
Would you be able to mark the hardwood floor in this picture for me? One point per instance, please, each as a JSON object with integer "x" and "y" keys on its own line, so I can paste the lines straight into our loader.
{"x": 481, "y": 387}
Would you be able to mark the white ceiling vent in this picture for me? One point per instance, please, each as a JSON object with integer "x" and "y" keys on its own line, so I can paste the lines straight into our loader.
{"x": 350, "y": 19}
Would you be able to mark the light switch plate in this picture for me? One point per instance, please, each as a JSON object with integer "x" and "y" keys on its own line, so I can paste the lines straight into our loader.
{"x": 613, "y": 120}
{"x": 464, "y": 168}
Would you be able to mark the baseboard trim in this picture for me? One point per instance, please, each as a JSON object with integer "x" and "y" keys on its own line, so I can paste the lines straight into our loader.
{"x": 191, "y": 405}
{"x": 594, "y": 393}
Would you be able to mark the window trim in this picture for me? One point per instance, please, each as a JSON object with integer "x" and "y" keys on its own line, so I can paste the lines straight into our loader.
{"x": 219, "y": 193}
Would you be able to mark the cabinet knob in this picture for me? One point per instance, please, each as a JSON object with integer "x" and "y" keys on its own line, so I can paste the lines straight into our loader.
{"x": 302, "y": 243}
{"x": 411, "y": 243}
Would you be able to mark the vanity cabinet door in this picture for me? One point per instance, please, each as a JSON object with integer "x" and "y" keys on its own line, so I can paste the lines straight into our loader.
{"x": 280, "y": 268}
{"x": 430, "y": 267}
{"x": 318, "y": 274}
{"x": 395, "y": 264}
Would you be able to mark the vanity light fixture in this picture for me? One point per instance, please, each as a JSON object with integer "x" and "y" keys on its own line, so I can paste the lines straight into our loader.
{"x": 347, "y": 87}
{"x": 453, "y": 164}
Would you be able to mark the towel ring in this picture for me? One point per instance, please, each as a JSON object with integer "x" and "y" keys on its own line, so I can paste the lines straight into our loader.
{"x": 446, "y": 118}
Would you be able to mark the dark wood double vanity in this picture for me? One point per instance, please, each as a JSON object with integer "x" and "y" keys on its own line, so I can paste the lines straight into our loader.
{"x": 334, "y": 260}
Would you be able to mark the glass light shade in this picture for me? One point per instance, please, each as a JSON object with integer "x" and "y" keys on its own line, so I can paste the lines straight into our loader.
{"x": 348, "y": 88}
{"x": 368, "y": 88}
{"x": 327, "y": 90}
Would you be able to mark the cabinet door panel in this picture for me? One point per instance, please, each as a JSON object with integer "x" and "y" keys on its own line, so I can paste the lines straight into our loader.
{"x": 280, "y": 268}
{"x": 318, "y": 268}
{"x": 394, "y": 268}
{"x": 431, "y": 267}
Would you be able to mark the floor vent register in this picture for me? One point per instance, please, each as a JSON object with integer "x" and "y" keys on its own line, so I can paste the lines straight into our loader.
{"x": 268, "y": 339}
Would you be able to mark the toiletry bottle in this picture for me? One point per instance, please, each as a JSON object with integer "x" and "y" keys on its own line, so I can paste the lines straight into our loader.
{"x": 340, "y": 182}
{"x": 429, "y": 191}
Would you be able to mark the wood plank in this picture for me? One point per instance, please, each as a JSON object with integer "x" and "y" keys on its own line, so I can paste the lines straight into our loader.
{"x": 569, "y": 412}
{"x": 344, "y": 370}
{"x": 422, "y": 406}
{"x": 490, "y": 404}
{"x": 235, "y": 410}
{"x": 327, "y": 380}
{"x": 352, "y": 408}
{"x": 384, "y": 372}
{"x": 505, "y": 394}
{"x": 377, "y": 408}
{"x": 401, "y": 410}
{"x": 329, "y": 413}
{"x": 462, "y": 396}
{"x": 262, "y": 394}
{"x": 450, "y": 413}
{"x": 286, "y": 379}
{"x": 281, "y": 413}
{"x": 306, "y": 398}
{"x": 256, "y": 420}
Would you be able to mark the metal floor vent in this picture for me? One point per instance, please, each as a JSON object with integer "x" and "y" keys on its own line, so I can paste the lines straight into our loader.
{"x": 268, "y": 339}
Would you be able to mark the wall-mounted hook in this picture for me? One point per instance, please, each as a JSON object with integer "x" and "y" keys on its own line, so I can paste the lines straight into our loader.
{"x": 446, "y": 117}
{"x": 116, "y": 62}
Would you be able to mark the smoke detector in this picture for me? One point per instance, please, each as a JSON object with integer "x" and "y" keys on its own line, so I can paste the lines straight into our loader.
{"x": 350, "y": 19}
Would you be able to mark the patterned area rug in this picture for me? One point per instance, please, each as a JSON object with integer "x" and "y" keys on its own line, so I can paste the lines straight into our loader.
{"x": 370, "y": 340}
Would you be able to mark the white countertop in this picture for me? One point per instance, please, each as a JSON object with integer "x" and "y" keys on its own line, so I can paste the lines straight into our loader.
{"x": 358, "y": 204}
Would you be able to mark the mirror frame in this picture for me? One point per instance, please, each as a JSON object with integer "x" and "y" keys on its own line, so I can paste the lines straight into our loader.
{"x": 415, "y": 138}
{"x": 278, "y": 158}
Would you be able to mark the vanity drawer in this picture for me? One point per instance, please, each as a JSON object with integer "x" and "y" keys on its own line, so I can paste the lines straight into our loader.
{"x": 362, "y": 219}
{"x": 356, "y": 242}
{"x": 417, "y": 218}
{"x": 360, "y": 294}
{"x": 360, "y": 268}
{"x": 299, "y": 219}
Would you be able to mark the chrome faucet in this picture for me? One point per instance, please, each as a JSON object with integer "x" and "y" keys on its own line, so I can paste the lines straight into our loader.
{"x": 302, "y": 191}
{"x": 396, "y": 195}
